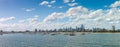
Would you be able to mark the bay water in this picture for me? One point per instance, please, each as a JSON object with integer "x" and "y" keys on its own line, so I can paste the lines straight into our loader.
{"x": 60, "y": 40}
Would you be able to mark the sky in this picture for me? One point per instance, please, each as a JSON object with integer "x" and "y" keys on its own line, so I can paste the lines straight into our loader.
{"x": 20, "y": 15}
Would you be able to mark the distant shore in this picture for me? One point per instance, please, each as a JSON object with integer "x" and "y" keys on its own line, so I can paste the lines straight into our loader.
{"x": 32, "y": 32}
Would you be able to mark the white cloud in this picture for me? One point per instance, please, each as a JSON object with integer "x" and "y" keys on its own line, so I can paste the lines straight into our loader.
{"x": 60, "y": 7}
{"x": 54, "y": 16}
{"x": 71, "y": 13}
{"x": 95, "y": 14}
{"x": 73, "y": 4}
{"x": 116, "y": 4}
{"x": 21, "y": 25}
{"x": 113, "y": 14}
{"x": 76, "y": 11}
{"x": 7, "y": 19}
{"x": 11, "y": 26}
{"x": 17, "y": 27}
{"x": 52, "y": 2}
{"x": 105, "y": 6}
{"x": 36, "y": 16}
{"x": 81, "y": 15}
{"x": 66, "y": 1}
{"x": 73, "y": 0}
{"x": 49, "y": 6}
{"x": 44, "y": 3}
{"x": 29, "y": 10}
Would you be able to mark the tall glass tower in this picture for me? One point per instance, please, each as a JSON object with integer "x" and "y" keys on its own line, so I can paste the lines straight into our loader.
{"x": 82, "y": 27}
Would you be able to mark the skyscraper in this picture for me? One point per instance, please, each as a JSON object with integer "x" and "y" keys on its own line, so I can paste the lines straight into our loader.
{"x": 82, "y": 27}
{"x": 35, "y": 30}
{"x": 113, "y": 27}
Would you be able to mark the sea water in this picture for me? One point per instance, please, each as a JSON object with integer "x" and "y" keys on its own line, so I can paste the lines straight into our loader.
{"x": 60, "y": 40}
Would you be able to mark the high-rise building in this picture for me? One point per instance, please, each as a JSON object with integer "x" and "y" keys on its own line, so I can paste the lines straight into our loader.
{"x": 35, "y": 30}
{"x": 113, "y": 27}
{"x": 82, "y": 27}
{"x": 1, "y": 30}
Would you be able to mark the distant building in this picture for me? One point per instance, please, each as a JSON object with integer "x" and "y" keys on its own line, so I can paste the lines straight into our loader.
{"x": 1, "y": 30}
{"x": 97, "y": 29}
{"x": 35, "y": 30}
{"x": 27, "y": 31}
{"x": 113, "y": 27}
{"x": 82, "y": 28}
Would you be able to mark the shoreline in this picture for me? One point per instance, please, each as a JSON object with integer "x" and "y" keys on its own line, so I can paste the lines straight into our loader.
{"x": 1, "y": 33}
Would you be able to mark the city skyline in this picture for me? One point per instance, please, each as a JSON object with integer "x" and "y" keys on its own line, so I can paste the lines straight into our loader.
{"x": 67, "y": 29}
{"x": 23, "y": 15}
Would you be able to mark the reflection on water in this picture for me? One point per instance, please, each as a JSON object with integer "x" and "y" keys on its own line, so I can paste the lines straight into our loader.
{"x": 59, "y": 40}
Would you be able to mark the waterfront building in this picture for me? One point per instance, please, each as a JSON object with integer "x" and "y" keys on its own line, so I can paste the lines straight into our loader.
{"x": 113, "y": 28}
{"x": 35, "y": 30}
{"x": 1, "y": 30}
{"x": 82, "y": 28}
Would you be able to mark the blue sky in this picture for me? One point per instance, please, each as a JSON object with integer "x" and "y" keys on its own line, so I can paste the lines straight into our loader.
{"x": 43, "y": 14}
